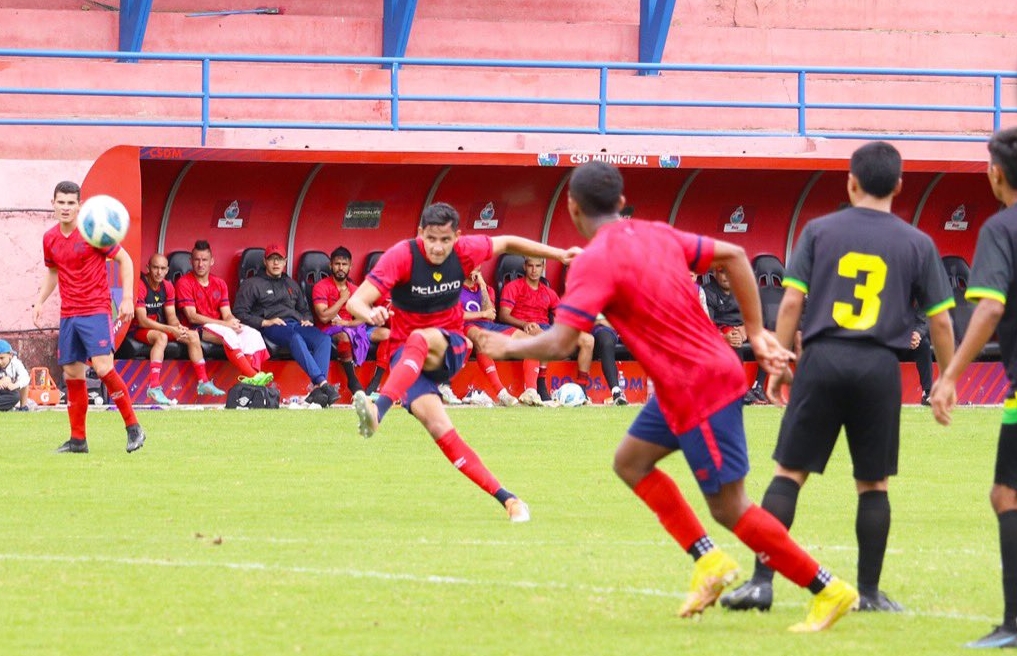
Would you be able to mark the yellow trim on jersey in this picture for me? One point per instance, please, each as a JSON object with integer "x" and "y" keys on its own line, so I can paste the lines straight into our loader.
{"x": 797, "y": 284}
{"x": 941, "y": 307}
{"x": 985, "y": 292}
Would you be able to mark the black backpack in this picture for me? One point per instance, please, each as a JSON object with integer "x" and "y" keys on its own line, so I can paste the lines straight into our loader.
{"x": 245, "y": 397}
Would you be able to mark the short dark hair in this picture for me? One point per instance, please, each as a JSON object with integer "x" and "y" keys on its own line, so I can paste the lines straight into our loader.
{"x": 341, "y": 251}
{"x": 202, "y": 245}
{"x": 67, "y": 187}
{"x": 439, "y": 214}
{"x": 877, "y": 167}
{"x": 596, "y": 187}
{"x": 1003, "y": 153}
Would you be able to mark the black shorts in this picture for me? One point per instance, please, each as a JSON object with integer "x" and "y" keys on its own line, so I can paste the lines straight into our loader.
{"x": 1006, "y": 448}
{"x": 850, "y": 384}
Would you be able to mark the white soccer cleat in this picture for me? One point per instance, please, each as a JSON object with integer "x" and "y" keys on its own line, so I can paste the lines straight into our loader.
{"x": 518, "y": 511}
{"x": 506, "y": 399}
{"x": 530, "y": 397}
{"x": 448, "y": 396}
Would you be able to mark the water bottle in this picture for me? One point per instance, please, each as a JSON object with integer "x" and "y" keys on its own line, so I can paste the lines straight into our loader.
{"x": 649, "y": 388}
{"x": 621, "y": 379}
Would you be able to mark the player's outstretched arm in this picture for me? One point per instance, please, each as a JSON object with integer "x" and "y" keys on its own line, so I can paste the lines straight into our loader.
{"x": 983, "y": 323}
{"x": 528, "y": 247}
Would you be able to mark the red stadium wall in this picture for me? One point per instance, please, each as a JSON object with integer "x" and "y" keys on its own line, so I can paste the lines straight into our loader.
{"x": 299, "y": 198}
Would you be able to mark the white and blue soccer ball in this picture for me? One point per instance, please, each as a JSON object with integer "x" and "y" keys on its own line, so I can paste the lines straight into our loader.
{"x": 103, "y": 221}
{"x": 570, "y": 395}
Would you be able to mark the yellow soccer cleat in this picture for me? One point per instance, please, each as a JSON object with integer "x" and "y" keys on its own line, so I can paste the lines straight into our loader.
{"x": 833, "y": 602}
{"x": 713, "y": 572}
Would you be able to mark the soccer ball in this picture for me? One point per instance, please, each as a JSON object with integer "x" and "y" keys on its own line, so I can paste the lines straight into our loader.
{"x": 570, "y": 395}
{"x": 103, "y": 221}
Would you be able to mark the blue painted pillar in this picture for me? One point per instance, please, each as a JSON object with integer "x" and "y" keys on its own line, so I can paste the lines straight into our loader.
{"x": 654, "y": 24}
{"x": 397, "y": 20}
{"x": 133, "y": 23}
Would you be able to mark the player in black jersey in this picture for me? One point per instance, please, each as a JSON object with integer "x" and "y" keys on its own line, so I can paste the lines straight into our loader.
{"x": 861, "y": 267}
{"x": 993, "y": 285}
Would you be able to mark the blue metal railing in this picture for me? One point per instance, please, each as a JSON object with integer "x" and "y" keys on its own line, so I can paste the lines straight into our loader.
{"x": 803, "y": 115}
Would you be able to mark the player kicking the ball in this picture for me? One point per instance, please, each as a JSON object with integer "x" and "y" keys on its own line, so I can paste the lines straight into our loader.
{"x": 424, "y": 277}
{"x": 699, "y": 380}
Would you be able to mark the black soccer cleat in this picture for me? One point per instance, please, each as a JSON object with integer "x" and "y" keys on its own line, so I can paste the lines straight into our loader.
{"x": 73, "y": 446}
{"x": 749, "y": 596}
{"x": 925, "y": 399}
{"x": 1000, "y": 637}
{"x": 135, "y": 438}
{"x": 878, "y": 602}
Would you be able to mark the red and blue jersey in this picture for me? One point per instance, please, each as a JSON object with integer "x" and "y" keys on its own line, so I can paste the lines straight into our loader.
{"x": 637, "y": 274}
{"x": 325, "y": 291}
{"x": 528, "y": 304}
{"x": 207, "y": 300}
{"x": 81, "y": 272}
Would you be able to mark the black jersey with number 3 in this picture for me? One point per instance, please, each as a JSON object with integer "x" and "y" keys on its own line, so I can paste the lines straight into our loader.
{"x": 861, "y": 269}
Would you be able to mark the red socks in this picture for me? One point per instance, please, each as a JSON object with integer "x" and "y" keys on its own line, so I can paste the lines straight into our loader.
{"x": 661, "y": 494}
{"x": 118, "y": 394}
{"x": 240, "y": 361}
{"x": 200, "y": 372}
{"x": 767, "y": 537}
{"x": 530, "y": 369}
{"x": 490, "y": 370}
{"x": 466, "y": 460}
{"x": 408, "y": 369}
{"x": 77, "y": 406}
{"x": 345, "y": 350}
{"x": 155, "y": 373}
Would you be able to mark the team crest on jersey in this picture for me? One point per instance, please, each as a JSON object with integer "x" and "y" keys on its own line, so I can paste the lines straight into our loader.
{"x": 437, "y": 276}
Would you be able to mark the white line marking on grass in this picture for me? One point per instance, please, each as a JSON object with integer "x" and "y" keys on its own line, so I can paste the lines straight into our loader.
{"x": 433, "y": 579}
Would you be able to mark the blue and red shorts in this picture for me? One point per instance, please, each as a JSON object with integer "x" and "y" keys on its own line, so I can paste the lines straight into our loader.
{"x": 715, "y": 449}
{"x": 456, "y": 355}
{"x": 83, "y": 338}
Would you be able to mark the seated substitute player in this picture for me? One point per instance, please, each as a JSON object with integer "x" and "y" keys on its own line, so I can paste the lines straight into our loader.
{"x": 155, "y": 323}
{"x": 273, "y": 303}
{"x": 14, "y": 379}
{"x": 204, "y": 301}
{"x": 993, "y": 285}
{"x": 727, "y": 316}
{"x": 85, "y": 323}
{"x": 861, "y": 268}
{"x": 637, "y": 274}
{"x": 477, "y": 299}
{"x": 425, "y": 276}
{"x": 605, "y": 341}
{"x": 528, "y": 304}
{"x": 349, "y": 335}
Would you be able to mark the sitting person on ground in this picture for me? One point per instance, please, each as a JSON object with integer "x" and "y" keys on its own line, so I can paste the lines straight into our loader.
{"x": 155, "y": 323}
{"x": 605, "y": 341}
{"x": 349, "y": 335}
{"x": 204, "y": 304}
{"x": 14, "y": 380}
{"x": 528, "y": 303}
{"x": 273, "y": 303}
{"x": 727, "y": 316}
{"x": 479, "y": 313}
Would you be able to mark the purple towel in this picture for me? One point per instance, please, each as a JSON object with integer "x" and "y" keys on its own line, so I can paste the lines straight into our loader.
{"x": 359, "y": 339}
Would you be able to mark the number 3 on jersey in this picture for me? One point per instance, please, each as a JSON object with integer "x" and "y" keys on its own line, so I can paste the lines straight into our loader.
{"x": 872, "y": 269}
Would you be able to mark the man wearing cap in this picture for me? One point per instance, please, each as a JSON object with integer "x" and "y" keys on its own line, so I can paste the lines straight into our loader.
{"x": 13, "y": 379}
{"x": 273, "y": 303}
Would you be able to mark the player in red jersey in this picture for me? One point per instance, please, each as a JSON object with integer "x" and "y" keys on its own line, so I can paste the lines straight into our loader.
{"x": 85, "y": 329}
{"x": 328, "y": 300}
{"x": 699, "y": 380}
{"x": 425, "y": 276}
{"x": 156, "y": 323}
{"x": 205, "y": 305}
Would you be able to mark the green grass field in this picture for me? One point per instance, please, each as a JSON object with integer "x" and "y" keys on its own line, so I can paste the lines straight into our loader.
{"x": 280, "y": 532}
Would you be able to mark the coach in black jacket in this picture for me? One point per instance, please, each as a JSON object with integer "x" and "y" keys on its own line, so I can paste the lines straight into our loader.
{"x": 273, "y": 303}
